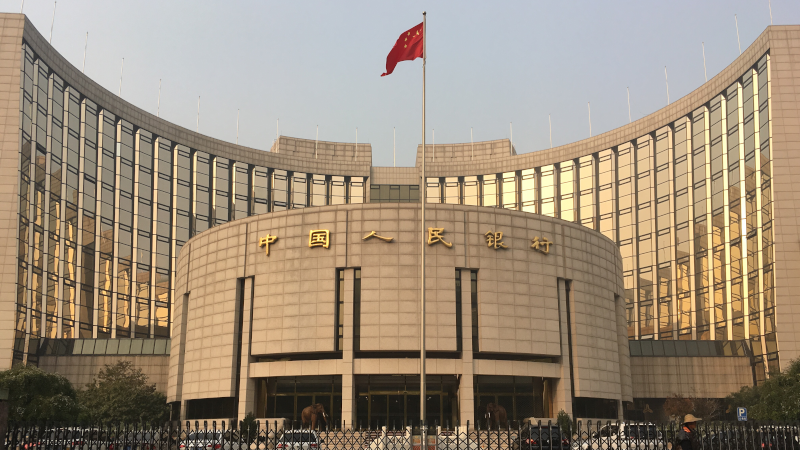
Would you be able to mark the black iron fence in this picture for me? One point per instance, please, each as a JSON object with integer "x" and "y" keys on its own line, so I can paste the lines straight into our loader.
{"x": 282, "y": 436}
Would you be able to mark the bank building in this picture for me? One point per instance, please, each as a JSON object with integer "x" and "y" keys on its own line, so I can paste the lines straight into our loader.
{"x": 598, "y": 277}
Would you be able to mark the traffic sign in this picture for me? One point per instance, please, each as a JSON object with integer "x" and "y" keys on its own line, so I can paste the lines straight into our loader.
{"x": 741, "y": 414}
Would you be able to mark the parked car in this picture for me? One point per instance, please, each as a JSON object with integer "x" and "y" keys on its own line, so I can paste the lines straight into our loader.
{"x": 544, "y": 438}
{"x": 623, "y": 436}
{"x": 208, "y": 440}
{"x": 299, "y": 440}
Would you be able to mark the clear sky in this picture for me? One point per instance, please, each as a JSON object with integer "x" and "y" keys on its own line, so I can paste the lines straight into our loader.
{"x": 319, "y": 63}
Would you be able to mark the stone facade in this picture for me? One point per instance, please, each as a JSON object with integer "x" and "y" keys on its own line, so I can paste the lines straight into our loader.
{"x": 711, "y": 377}
{"x": 82, "y": 370}
{"x": 288, "y": 301}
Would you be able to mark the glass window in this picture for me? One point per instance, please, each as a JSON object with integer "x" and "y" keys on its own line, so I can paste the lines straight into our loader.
{"x": 452, "y": 191}
{"x": 222, "y": 190}
{"x": 319, "y": 190}
{"x": 472, "y": 191}
{"x": 586, "y": 171}
{"x": 548, "y": 190}
{"x": 261, "y": 185}
{"x": 201, "y": 191}
{"x": 241, "y": 194}
{"x": 567, "y": 190}
{"x": 299, "y": 190}
{"x": 433, "y": 191}
{"x": 338, "y": 191}
{"x": 357, "y": 189}
{"x": 510, "y": 190}
{"x": 280, "y": 190}
{"x": 528, "y": 190}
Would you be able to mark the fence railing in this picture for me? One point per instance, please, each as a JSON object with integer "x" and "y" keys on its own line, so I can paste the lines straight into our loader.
{"x": 282, "y": 436}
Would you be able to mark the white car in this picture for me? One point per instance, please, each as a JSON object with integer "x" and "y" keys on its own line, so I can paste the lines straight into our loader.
{"x": 299, "y": 440}
{"x": 209, "y": 440}
{"x": 623, "y": 436}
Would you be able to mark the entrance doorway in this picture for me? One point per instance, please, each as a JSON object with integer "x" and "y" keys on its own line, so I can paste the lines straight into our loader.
{"x": 286, "y": 397}
{"x": 393, "y": 400}
{"x": 521, "y": 397}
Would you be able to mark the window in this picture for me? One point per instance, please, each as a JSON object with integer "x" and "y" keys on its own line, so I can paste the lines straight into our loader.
{"x": 339, "y": 314}
{"x": 474, "y": 302}
{"x": 357, "y": 310}
{"x": 459, "y": 331}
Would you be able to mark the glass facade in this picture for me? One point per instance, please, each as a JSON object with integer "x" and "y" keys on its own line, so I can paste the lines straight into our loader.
{"x": 106, "y": 206}
{"x": 690, "y": 207}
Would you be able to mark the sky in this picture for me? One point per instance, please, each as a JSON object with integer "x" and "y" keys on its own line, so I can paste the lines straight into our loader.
{"x": 318, "y": 63}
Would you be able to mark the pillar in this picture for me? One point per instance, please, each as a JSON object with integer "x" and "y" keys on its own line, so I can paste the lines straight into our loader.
{"x": 348, "y": 386}
{"x": 466, "y": 388}
{"x": 247, "y": 385}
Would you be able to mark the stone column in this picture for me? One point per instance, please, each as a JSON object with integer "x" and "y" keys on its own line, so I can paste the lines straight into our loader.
{"x": 247, "y": 385}
{"x": 466, "y": 388}
{"x": 348, "y": 386}
{"x": 562, "y": 388}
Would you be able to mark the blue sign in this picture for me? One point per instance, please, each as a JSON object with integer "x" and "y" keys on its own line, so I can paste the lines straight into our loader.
{"x": 741, "y": 414}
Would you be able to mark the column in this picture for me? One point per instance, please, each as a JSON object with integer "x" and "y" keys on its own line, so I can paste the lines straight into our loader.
{"x": 562, "y": 388}
{"x": 466, "y": 388}
{"x": 247, "y": 385}
{"x": 348, "y": 386}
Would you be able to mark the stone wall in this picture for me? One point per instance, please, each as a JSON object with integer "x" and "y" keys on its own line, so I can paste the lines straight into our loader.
{"x": 81, "y": 370}
{"x": 711, "y": 377}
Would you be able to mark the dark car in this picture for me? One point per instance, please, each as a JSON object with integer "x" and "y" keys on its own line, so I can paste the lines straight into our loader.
{"x": 544, "y": 438}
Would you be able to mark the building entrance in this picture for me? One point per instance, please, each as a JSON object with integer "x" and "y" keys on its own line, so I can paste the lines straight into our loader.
{"x": 393, "y": 400}
{"x": 286, "y": 397}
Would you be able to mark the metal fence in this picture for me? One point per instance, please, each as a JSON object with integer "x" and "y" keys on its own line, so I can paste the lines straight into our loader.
{"x": 278, "y": 436}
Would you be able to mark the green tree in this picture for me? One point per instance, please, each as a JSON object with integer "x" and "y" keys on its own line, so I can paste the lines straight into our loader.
{"x": 777, "y": 399}
{"x": 36, "y": 395}
{"x": 565, "y": 422}
{"x": 248, "y": 428}
{"x": 121, "y": 394}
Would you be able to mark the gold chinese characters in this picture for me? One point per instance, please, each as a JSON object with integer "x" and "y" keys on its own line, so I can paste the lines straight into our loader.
{"x": 266, "y": 241}
{"x": 494, "y": 239}
{"x": 435, "y": 235}
{"x": 375, "y": 235}
{"x": 542, "y": 245}
{"x": 319, "y": 238}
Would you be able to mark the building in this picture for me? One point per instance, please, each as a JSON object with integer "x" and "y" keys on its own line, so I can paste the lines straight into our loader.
{"x": 331, "y": 315}
{"x": 101, "y": 197}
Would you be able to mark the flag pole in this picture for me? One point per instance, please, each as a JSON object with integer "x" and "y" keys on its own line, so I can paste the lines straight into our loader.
{"x": 422, "y": 394}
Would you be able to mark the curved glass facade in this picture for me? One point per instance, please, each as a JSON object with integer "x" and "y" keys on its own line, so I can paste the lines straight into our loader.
{"x": 690, "y": 206}
{"x": 105, "y": 206}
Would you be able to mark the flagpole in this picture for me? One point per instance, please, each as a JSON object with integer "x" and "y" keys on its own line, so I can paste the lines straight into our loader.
{"x": 422, "y": 395}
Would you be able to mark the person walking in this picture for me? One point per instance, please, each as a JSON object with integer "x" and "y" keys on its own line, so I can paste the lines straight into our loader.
{"x": 687, "y": 436}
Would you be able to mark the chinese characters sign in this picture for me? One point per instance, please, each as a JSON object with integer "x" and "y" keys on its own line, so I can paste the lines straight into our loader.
{"x": 435, "y": 235}
{"x": 494, "y": 240}
{"x": 319, "y": 238}
{"x": 542, "y": 245}
{"x": 266, "y": 241}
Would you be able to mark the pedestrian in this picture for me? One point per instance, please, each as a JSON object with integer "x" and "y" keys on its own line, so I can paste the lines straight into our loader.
{"x": 687, "y": 436}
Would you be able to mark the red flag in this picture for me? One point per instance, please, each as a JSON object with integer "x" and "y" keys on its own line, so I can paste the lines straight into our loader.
{"x": 407, "y": 48}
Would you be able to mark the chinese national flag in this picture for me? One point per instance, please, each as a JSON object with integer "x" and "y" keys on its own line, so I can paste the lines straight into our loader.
{"x": 407, "y": 48}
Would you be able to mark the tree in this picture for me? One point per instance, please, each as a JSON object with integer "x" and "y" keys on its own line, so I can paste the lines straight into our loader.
{"x": 248, "y": 428}
{"x": 707, "y": 408}
{"x": 777, "y": 399}
{"x": 565, "y": 423}
{"x": 121, "y": 394}
{"x": 677, "y": 406}
{"x": 36, "y": 395}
